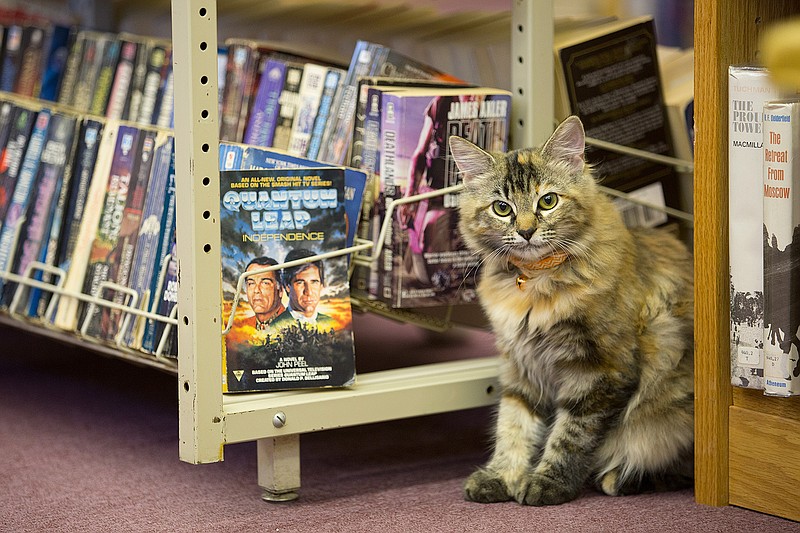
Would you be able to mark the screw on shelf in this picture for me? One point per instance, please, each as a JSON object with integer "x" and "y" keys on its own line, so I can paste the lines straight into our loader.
{"x": 279, "y": 420}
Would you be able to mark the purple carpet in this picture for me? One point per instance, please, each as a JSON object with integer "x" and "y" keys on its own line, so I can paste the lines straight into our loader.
{"x": 89, "y": 444}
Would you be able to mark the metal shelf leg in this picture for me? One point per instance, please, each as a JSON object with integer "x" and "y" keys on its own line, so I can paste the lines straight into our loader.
{"x": 279, "y": 467}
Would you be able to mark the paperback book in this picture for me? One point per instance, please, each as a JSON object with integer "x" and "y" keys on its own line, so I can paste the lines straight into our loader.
{"x": 290, "y": 329}
{"x": 425, "y": 262}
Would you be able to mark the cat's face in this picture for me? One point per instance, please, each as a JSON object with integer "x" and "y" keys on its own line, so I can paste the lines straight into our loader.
{"x": 527, "y": 203}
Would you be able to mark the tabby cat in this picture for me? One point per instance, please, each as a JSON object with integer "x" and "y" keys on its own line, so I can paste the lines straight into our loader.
{"x": 593, "y": 322}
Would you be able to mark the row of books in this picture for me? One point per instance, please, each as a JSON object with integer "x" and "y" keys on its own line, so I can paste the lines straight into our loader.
{"x": 763, "y": 153}
{"x": 119, "y": 76}
{"x": 299, "y": 102}
{"x": 33, "y": 53}
{"x": 94, "y": 198}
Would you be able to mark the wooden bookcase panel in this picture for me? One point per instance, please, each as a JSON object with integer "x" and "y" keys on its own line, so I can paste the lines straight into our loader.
{"x": 726, "y": 421}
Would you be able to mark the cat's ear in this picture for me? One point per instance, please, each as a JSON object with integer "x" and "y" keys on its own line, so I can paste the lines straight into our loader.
{"x": 470, "y": 159}
{"x": 568, "y": 144}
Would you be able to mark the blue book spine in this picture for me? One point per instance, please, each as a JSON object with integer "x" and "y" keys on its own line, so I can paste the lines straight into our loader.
{"x": 11, "y": 58}
{"x": 328, "y": 93}
{"x": 263, "y": 117}
{"x": 56, "y": 62}
{"x": 146, "y": 254}
{"x": 167, "y": 236}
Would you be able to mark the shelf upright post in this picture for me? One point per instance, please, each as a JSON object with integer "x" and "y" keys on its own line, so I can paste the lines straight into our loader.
{"x": 194, "y": 41}
{"x": 532, "y": 109}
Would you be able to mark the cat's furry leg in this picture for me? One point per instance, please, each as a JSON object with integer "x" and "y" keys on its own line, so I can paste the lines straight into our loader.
{"x": 562, "y": 472}
{"x": 518, "y": 432}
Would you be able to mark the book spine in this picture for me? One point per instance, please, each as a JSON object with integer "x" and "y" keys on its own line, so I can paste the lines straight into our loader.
{"x": 93, "y": 54}
{"x": 326, "y": 101}
{"x": 781, "y": 120}
{"x": 748, "y": 90}
{"x": 263, "y": 117}
{"x": 165, "y": 116}
{"x": 168, "y": 298}
{"x": 30, "y": 69}
{"x": 337, "y": 135}
{"x": 152, "y": 83}
{"x": 12, "y": 51}
{"x": 61, "y": 38}
{"x": 287, "y": 106}
{"x": 78, "y": 259}
{"x": 102, "y": 263}
{"x": 13, "y": 153}
{"x": 121, "y": 257}
{"x": 63, "y": 167}
{"x": 166, "y": 235}
{"x": 66, "y": 90}
{"x": 240, "y": 66}
{"x": 308, "y": 98}
{"x": 393, "y": 119}
{"x": 366, "y": 277}
{"x": 145, "y": 255}
{"x": 105, "y": 78}
{"x": 122, "y": 80}
{"x": 83, "y": 167}
{"x": 134, "y": 99}
{"x": 23, "y": 190}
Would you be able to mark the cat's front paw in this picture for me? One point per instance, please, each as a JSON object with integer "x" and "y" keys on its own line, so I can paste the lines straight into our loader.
{"x": 486, "y": 487}
{"x": 538, "y": 490}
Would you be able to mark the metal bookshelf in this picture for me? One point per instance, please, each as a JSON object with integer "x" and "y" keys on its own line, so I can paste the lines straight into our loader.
{"x": 208, "y": 419}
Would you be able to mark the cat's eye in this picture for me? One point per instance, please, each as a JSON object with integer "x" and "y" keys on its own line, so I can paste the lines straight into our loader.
{"x": 548, "y": 201}
{"x": 501, "y": 208}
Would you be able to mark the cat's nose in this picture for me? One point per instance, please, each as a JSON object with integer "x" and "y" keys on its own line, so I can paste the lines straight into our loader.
{"x": 526, "y": 233}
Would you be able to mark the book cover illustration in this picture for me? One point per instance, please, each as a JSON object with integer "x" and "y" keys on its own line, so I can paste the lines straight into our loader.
{"x": 291, "y": 329}
{"x": 426, "y": 262}
{"x": 781, "y": 122}
{"x": 252, "y": 158}
{"x": 748, "y": 90}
